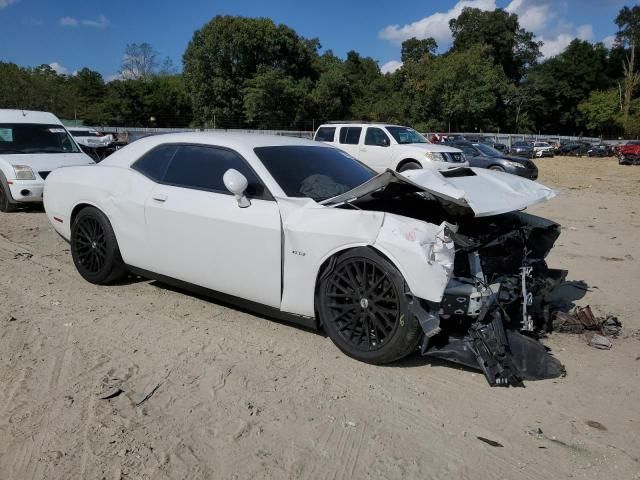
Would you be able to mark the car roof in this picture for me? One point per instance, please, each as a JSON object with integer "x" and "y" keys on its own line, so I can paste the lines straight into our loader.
{"x": 28, "y": 116}
{"x": 358, "y": 124}
{"x": 243, "y": 143}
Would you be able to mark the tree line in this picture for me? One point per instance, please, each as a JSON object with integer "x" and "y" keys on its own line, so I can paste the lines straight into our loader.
{"x": 251, "y": 73}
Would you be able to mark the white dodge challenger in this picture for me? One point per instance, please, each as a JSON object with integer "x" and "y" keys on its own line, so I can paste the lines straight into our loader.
{"x": 301, "y": 231}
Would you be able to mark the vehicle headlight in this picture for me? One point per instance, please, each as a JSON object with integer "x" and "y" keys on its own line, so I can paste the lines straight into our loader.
{"x": 514, "y": 164}
{"x": 435, "y": 156}
{"x": 24, "y": 172}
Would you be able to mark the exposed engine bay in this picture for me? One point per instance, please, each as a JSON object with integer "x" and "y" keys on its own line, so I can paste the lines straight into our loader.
{"x": 499, "y": 296}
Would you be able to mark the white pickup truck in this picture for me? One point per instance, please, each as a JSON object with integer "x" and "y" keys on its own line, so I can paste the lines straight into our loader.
{"x": 382, "y": 146}
{"x": 32, "y": 144}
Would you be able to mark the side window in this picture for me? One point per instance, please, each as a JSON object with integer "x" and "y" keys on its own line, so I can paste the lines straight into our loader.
{"x": 154, "y": 163}
{"x": 326, "y": 134}
{"x": 350, "y": 135}
{"x": 375, "y": 136}
{"x": 202, "y": 168}
{"x": 467, "y": 149}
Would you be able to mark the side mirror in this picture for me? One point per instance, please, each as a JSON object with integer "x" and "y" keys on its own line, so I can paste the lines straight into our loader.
{"x": 384, "y": 142}
{"x": 237, "y": 184}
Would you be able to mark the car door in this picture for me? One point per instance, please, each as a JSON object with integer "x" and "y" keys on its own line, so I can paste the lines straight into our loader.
{"x": 349, "y": 140}
{"x": 375, "y": 149}
{"x": 197, "y": 233}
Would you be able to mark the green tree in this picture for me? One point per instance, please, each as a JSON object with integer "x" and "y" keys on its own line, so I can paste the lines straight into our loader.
{"x": 228, "y": 51}
{"x": 332, "y": 95}
{"x": 628, "y": 35}
{"x": 510, "y": 46}
{"x": 274, "y": 100}
{"x": 562, "y": 82}
{"x": 458, "y": 90}
{"x": 601, "y": 111}
{"x": 414, "y": 49}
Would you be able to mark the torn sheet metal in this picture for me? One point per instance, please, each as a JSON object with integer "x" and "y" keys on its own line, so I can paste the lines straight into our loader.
{"x": 482, "y": 192}
{"x": 506, "y": 357}
{"x": 423, "y": 253}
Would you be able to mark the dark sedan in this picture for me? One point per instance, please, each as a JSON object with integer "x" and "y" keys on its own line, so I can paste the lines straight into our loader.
{"x": 523, "y": 149}
{"x": 602, "y": 150}
{"x": 484, "y": 156}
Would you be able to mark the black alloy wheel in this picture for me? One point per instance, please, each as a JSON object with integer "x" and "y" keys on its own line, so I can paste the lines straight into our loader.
{"x": 94, "y": 248}
{"x": 364, "y": 308}
{"x": 91, "y": 245}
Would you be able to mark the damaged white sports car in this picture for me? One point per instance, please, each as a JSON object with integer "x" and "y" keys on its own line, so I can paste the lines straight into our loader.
{"x": 301, "y": 231}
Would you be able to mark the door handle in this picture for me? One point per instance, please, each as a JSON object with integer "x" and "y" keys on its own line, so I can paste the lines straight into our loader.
{"x": 160, "y": 197}
{"x": 363, "y": 149}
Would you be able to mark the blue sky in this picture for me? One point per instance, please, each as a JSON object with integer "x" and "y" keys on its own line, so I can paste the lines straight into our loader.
{"x": 70, "y": 34}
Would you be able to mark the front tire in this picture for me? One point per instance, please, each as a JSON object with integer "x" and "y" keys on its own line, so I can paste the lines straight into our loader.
{"x": 94, "y": 248}
{"x": 496, "y": 168}
{"x": 363, "y": 306}
{"x": 409, "y": 166}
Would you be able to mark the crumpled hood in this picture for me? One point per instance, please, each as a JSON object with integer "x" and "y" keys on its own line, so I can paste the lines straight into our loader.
{"x": 45, "y": 162}
{"x": 484, "y": 192}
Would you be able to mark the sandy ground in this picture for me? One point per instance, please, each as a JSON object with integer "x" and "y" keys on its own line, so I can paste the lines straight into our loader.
{"x": 239, "y": 396}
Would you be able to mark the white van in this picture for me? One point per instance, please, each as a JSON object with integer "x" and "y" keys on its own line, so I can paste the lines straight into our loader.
{"x": 32, "y": 144}
{"x": 382, "y": 146}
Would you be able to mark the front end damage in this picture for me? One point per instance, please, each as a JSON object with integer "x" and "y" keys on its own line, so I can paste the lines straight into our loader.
{"x": 498, "y": 297}
{"x": 499, "y": 293}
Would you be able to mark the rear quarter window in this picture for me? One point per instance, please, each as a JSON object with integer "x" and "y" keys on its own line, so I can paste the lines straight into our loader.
{"x": 154, "y": 163}
{"x": 326, "y": 134}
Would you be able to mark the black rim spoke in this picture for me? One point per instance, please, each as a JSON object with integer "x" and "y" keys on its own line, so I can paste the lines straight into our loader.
{"x": 363, "y": 303}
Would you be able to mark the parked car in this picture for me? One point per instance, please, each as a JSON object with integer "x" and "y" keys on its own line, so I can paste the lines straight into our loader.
{"x": 522, "y": 149}
{"x": 483, "y": 156}
{"x": 575, "y": 149}
{"x": 485, "y": 140}
{"x": 93, "y": 143}
{"x": 601, "y": 150}
{"x": 301, "y": 231}
{"x": 628, "y": 154}
{"x": 542, "y": 149}
{"x": 32, "y": 144}
{"x": 382, "y": 146}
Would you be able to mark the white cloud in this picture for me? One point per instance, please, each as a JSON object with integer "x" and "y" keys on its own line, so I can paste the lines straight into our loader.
{"x": 609, "y": 41}
{"x": 6, "y": 3}
{"x": 585, "y": 32}
{"x": 100, "y": 22}
{"x": 115, "y": 76}
{"x": 532, "y": 16}
{"x": 435, "y": 25}
{"x": 68, "y": 22}
{"x": 391, "y": 66}
{"x": 59, "y": 69}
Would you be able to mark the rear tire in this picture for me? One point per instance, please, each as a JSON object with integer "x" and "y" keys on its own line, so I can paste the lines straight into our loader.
{"x": 94, "y": 248}
{"x": 409, "y": 166}
{"x": 364, "y": 309}
{"x": 6, "y": 201}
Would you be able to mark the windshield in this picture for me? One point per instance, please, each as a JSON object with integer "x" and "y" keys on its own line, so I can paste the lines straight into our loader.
{"x": 489, "y": 151}
{"x": 24, "y": 138}
{"x": 314, "y": 172}
{"x": 406, "y": 135}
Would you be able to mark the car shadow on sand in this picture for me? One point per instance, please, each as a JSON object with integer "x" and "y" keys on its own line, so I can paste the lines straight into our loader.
{"x": 563, "y": 298}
